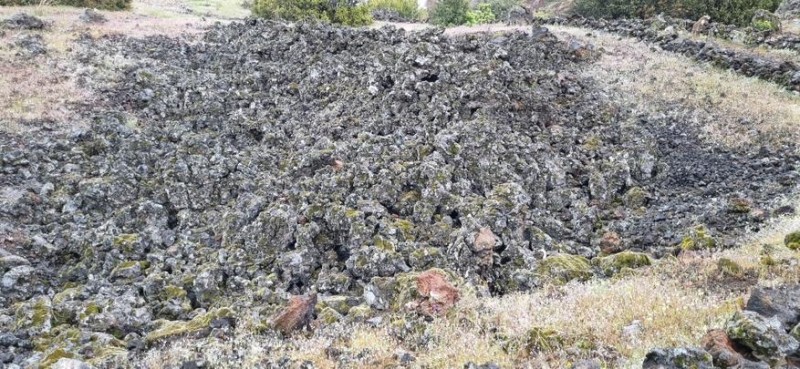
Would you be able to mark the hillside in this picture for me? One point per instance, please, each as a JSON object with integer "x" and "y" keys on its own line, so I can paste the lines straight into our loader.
{"x": 185, "y": 187}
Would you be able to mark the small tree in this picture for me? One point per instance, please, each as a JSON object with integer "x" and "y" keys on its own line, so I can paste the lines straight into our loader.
{"x": 344, "y": 12}
{"x": 449, "y": 12}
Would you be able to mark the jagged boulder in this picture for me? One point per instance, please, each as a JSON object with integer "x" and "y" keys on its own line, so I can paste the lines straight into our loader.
{"x": 766, "y": 337}
{"x": 678, "y": 358}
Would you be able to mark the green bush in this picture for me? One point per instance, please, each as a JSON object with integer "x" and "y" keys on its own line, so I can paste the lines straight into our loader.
{"x": 500, "y": 8}
{"x": 406, "y": 8}
{"x": 738, "y": 12}
{"x": 480, "y": 15}
{"x": 449, "y": 12}
{"x": 97, "y": 4}
{"x": 343, "y": 12}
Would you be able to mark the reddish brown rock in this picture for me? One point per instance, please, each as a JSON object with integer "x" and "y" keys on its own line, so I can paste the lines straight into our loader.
{"x": 337, "y": 164}
{"x": 483, "y": 245}
{"x": 437, "y": 293}
{"x": 298, "y": 314}
{"x": 610, "y": 243}
{"x": 724, "y": 351}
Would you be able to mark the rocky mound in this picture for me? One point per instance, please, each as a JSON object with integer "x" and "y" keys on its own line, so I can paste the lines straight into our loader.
{"x": 663, "y": 33}
{"x": 269, "y": 160}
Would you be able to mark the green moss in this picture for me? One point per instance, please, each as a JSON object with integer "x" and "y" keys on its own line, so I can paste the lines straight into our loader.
{"x": 103, "y": 355}
{"x": 592, "y": 142}
{"x": 406, "y": 228}
{"x": 565, "y": 267}
{"x": 698, "y": 238}
{"x": 410, "y": 196}
{"x": 383, "y": 244}
{"x": 792, "y": 240}
{"x": 126, "y": 241}
{"x": 54, "y": 356}
{"x": 178, "y": 328}
{"x": 91, "y": 309}
{"x": 613, "y": 264}
{"x": 360, "y": 312}
{"x": 329, "y": 316}
{"x": 542, "y": 340}
{"x": 340, "y": 304}
{"x": 174, "y": 292}
{"x": 454, "y": 148}
{"x": 796, "y": 331}
{"x": 352, "y": 213}
{"x": 41, "y": 313}
{"x": 730, "y": 267}
{"x": 635, "y": 198}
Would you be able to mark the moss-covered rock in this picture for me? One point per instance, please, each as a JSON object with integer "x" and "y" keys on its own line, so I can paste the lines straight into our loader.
{"x": 125, "y": 241}
{"x": 360, "y": 312}
{"x": 35, "y": 315}
{"x": 128, "y": 270}
{"x": 765, "y": 336}
{"x": 613, "y": 264}
{"x": 635, "y": 198}
{"x": 340, "y": 304}
{"x": 698, "y": 238}
{"x": 51, "y": 357}
{"x": 730, "y": 267}
{"x": 565, "y": 267}
{"x": 738, "y": 205}
{"x": 792, "y": 240}
{"x": 329, "y": 316}
{"x": 173, "y": 329}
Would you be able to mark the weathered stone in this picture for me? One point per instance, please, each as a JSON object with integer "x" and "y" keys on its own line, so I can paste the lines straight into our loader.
{"x": 726, "y": 353}
{"x": 781, "y": 302}
{"x": 616, "y": 263}
{"x": 23, "y": 21}
{"x": 767, "y": 337}
{"x": 678, "y": 358}
{"x": 93, "y": 16}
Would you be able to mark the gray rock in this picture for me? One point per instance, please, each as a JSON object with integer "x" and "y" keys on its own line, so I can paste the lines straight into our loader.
{"x": 24, "y": 22}
{"x": 678, "y": 358}
{"x": 781, "y": 302}
{"x": 93, "y": 16}
{"x": 66, "y": 363}
{"x": 767, "y": 337}
{"x": 30, "y": 45}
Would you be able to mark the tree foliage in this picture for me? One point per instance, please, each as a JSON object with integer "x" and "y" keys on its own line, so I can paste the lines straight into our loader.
{"x": 738, "y": 12}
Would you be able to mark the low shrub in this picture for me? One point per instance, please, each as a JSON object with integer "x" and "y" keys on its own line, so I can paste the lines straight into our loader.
{"x": 343, "y": 12}
{"x": 97, "y": 4}
{"x": 500, "y": 8}
{"x": 738, "y": 12}
{"x": 449, "y": 12}
{"x": 407, "y": 9}
{"x": 480, "y": 15}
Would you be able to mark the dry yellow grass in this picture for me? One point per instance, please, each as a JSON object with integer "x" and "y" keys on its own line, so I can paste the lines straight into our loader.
{"x": 735, "y": 110}
{"x": 44, "y": 88}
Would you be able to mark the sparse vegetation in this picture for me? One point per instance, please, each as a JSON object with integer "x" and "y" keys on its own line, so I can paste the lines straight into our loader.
{"x": 501, "y": 7}
{"x": 480, "y": 15}
{"x": 349, "y": 13}
{"x": 449, "y": 12}
{"x": 97, "y": 4}
{"x": 738, "y": 12}
{"x": 407, "y": 9}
